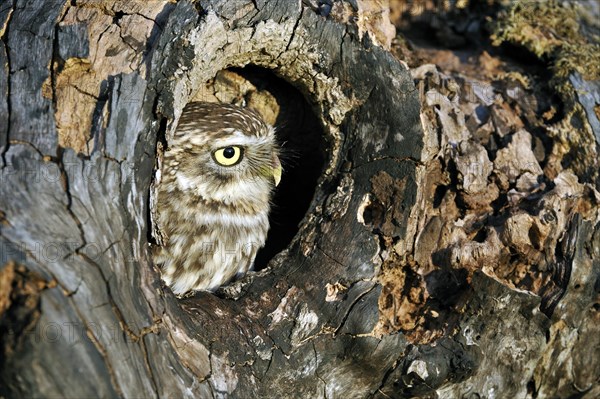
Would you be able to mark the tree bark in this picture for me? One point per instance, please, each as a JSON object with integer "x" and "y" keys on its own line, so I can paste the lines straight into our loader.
{"x": 437, "y": 257}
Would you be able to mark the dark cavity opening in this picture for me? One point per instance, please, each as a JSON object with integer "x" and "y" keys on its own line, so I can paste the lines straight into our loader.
{"x": 300, "y": 135}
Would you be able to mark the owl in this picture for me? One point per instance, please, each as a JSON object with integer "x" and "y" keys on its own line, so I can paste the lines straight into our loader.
{"x": 213, "y": 196}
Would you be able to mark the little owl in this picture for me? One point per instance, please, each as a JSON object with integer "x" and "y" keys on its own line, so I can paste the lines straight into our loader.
{"x": 213, "y": 195}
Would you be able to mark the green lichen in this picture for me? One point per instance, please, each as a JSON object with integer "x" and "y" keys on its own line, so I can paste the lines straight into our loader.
{"x": 552, "y": 31}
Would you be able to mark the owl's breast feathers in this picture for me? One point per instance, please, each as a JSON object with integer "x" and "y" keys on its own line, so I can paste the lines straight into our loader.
{"x": 207, "y": 243}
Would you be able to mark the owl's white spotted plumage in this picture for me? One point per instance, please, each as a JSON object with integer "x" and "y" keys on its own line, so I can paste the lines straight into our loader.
{"x": 214, "y": 195}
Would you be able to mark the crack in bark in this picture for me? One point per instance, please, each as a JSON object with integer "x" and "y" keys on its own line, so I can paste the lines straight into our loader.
{"x": 317, "y": 372}
{"x": 388, "y": 373}
{"x": 112, "y": 244}
{"x": 100, "y": 38}
{"x": 293, "y": 35}
{"x": 85, "y": 93}
{"x": 4, "y": 39}
{"x": 356, "y": 300}
{"x": 86, "y": 325}
{"x": 116, "y": 310}
{"x": 135, "y": 337}
{"x": 99, "y": 348}
{"x": 11, "y": 7}
{"x": 66, "y": 188}
{"x": 27, "y": 143}
{"x": 116, "y": 22}
{"x": 330, "y": 257}
{"x": 146, "y": 18}
{"x": 147, "y": 363}
{"x": 255, "y": 5}
{"x": 124, "y": 327}
{"x": 54, "y": 59}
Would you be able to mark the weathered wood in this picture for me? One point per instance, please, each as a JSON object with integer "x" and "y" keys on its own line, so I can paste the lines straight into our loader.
{"x": 4, "y": 82}
{"x": 441, "y": 253}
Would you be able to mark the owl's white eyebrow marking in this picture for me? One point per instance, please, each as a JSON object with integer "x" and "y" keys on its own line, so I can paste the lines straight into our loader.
{"x": 243, "y": 141}
{"x": 239, "y": 138}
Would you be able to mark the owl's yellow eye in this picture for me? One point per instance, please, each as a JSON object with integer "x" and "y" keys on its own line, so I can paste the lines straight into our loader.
{"x": 228, "y": 156}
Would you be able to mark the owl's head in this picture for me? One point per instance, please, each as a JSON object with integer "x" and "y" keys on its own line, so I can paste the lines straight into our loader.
{"x": 223, "y": 153}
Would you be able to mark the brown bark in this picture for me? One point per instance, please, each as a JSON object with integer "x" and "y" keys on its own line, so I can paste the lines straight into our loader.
{"x": 450, "y": 247}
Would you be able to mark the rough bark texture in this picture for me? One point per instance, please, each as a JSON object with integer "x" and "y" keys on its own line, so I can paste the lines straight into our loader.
{"x": 450, "y": 249}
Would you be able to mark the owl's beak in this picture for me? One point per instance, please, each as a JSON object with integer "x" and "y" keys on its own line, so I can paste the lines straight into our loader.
{"x": 276, "y": 165}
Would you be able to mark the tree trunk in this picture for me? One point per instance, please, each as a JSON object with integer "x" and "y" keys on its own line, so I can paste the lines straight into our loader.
{"x": 450, "y": 247}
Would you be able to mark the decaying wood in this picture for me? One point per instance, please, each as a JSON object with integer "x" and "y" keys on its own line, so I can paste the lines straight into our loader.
{"x": 449, "y": 248}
